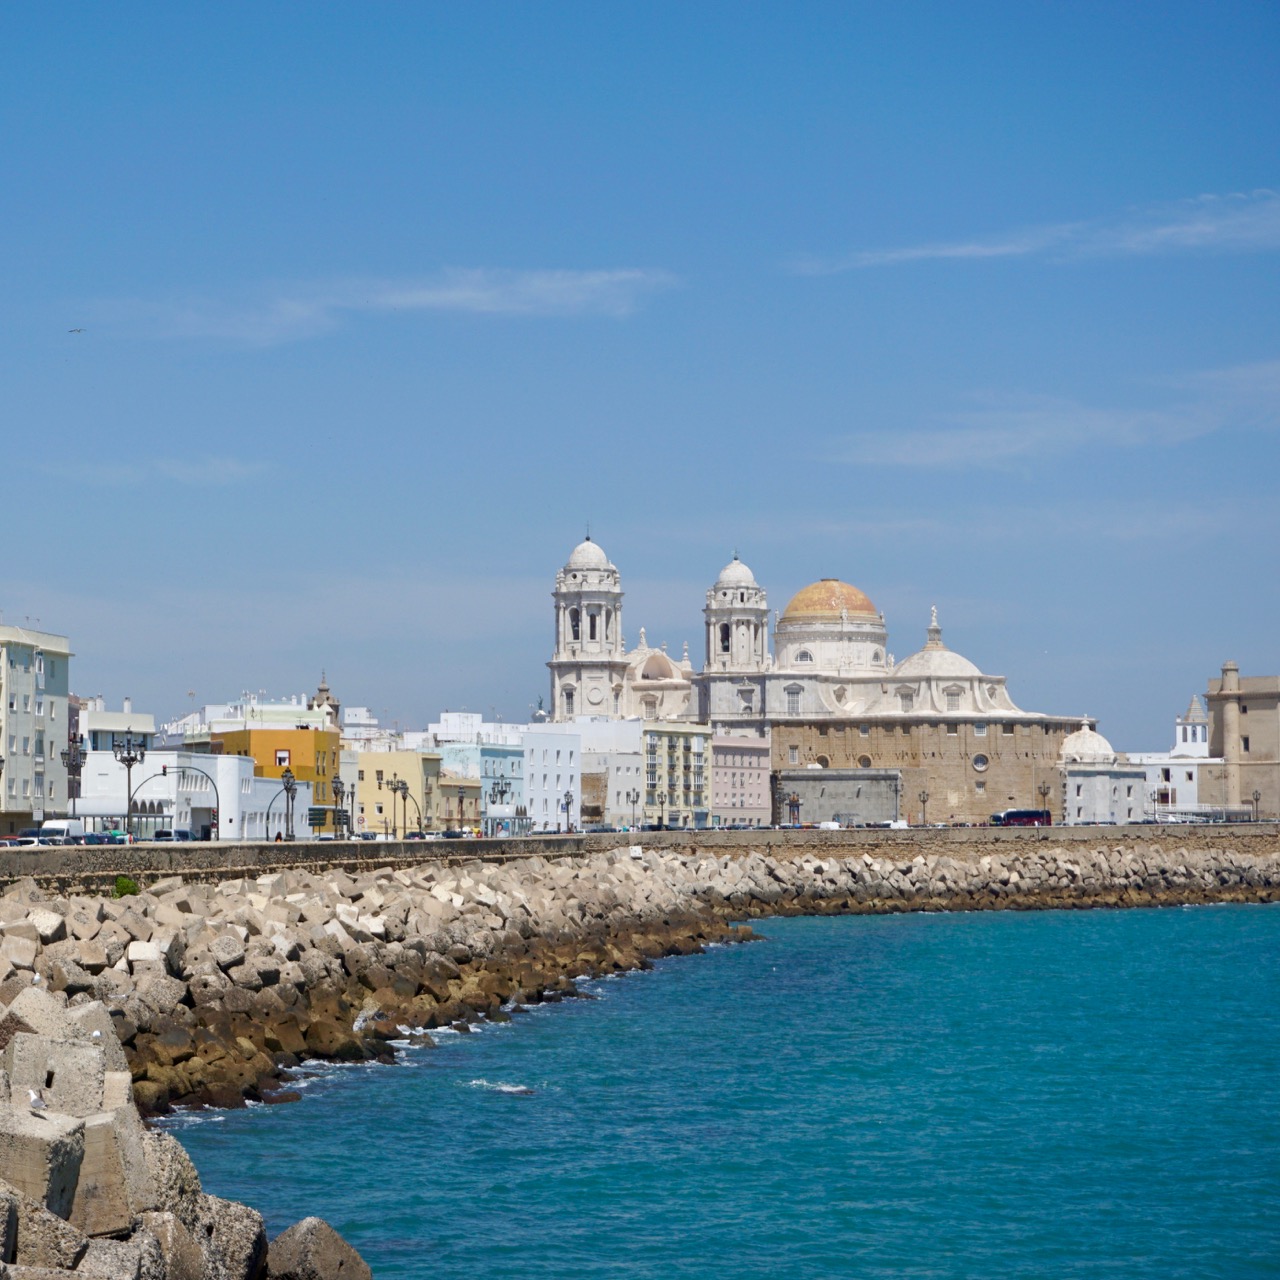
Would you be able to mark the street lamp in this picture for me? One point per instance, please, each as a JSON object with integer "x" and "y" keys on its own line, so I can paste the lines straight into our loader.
{"x": 924, "y": 808}
{"x": 568, "y": 811}
{"x": 498, "y": 794}
{"x": 462, "y": 795}
{"x": 1257, "y": 795}
{"x": 338, "y": 787}
{"x": 290, "y": 785}
{"x": 1044, "y": 788}
{"x": 394, "y": 787}
{"x": 73, "y": 760}
{"x": 128, "y": 753}
{"x": 632, "y": 799}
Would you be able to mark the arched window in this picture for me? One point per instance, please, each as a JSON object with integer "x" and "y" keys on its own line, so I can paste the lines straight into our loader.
{"x": 804, "y": 656}
{"x": 568, "y": 702}
{"x": 724, "y": 637}
{"x": 592, "y": 619}
{"x": 575, "y": 624}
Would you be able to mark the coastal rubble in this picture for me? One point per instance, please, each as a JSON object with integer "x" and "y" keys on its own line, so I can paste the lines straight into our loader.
{"x": 210, "y": 992}
{"x": 85, "y": 1188}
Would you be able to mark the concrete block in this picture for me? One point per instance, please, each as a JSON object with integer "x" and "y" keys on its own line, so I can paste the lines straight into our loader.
{"x": 143, "y": 953}
{"x": 40, "y": 1156}
{"x": 101, "y": 1203}
{"x": 44, "y": 1240}
{"x": 232, "y": 1237}
{"x": 183, "y": 1259}
{"x": 67, "y": 1073}
{"x": 313, "y": 1250}
{"x": 19, "y": 952}
{"x": 42, "y": 1011}
{"x": 50, "y": 926}
{"x": 9, "y": 1199}
{"x": 227, "y": 950}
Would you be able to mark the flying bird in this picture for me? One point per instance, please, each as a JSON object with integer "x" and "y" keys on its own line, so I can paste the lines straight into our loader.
{"x": 75, "y": 330}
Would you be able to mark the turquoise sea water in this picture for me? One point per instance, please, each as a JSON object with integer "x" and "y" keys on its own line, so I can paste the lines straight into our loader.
{"x": 1050, "y": 1094}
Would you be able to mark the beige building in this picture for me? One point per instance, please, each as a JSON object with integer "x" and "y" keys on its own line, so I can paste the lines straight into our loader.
{"x": 379, "y": 804}
{"x": 459, "y": 802}
{"x": 1244, "y": 730}
{"x": 961, "y": 746}
{"x": 34, "y": 686}
{"x": 676, "y": 756}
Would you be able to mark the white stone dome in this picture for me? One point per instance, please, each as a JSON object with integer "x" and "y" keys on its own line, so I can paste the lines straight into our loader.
{"x": 588, "y": 555}
{"x": 1086, "y": 746}
{"x": 736, "y": 574}
{"x": 935, "y": 660}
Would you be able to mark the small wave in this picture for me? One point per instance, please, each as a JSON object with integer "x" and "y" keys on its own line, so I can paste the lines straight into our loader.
{"x": 518, "y": 1090}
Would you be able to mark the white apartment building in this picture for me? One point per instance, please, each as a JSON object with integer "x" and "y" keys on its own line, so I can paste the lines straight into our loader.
{"x": 553, "y": 777}
{"x": 34, "y": 683}
{"x": 212, "y": 796}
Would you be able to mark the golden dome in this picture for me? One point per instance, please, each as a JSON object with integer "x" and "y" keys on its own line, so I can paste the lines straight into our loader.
{"x": 828, "y": 599}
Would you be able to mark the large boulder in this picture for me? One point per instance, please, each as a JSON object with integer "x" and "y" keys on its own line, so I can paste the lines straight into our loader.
{"x": 313, "y": 1250}
{"x": 231, "y": 1236}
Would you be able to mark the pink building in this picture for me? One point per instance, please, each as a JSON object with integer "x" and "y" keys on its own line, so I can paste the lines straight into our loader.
{"x": 740, "y": 780}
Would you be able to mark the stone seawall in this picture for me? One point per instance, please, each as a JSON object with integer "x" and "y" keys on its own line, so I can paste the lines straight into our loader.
{"x": 216, "y": 988}
{"x": 94, "y": 868}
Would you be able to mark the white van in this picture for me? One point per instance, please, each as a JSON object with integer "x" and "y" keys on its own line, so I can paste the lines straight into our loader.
{"x": 63, "y": 827}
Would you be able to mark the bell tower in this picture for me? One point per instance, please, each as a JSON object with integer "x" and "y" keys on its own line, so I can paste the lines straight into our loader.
{"x": 587, "y": 667}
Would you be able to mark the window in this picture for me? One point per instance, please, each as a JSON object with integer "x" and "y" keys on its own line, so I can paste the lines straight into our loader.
{"x": 793, "y": 755}
{"x": 907, "y": 701}
{"x": 1079, "y": 789}
{"x": 568, "y": 702}
{"x": 724, "y": 637}
{"x": 953, "y": 702}
{"x": 980, "y": 763}
{"x": 1244, "y": 709}
{"x": 575, "y": 624}
{"x": 1191, "y": 777}
{"x": 359, "y": 775}
{"x": 952, "y": 729}
{"x": 864, "y": 762}
{"x": 1244, "y": 744}
{"x": 980, "y": 786}
{"x": 804, "y": 656}
{"x": 864, "y": 730}
{"x": 592, "y": 619}
{"x": 980, "y": 729}
{"x": 793, "y": 702}
{"x": 1008, "y": 730}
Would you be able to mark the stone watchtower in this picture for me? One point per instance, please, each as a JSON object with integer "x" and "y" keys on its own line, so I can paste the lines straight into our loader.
{"x": 587, "y": 668}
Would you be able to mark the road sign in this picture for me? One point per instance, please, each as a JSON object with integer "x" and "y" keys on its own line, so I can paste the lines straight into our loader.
{"x": 316, "y": 816}
{"x": 360, "y": 820}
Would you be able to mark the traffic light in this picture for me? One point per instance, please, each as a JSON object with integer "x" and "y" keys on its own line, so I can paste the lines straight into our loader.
{"x": 164, "y": 770}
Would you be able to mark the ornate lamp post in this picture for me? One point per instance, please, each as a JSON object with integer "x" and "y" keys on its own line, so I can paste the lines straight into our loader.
{"x": 338, "y": 787}
{"x": 498, "y": 794}
{"x": 73, "y": 760}
{"x": 128, "y": 753}
{"x": 1257, "y": 795}
{"x": 633, "y": 798}
{"x": 1044, "y": 788}
{"x": 568, "y": 811}
{"x": 924, "y": 807}
{"x": 394, "y": 787}
{"x": 290, "y": 785}
{"x": 462, "y": 795}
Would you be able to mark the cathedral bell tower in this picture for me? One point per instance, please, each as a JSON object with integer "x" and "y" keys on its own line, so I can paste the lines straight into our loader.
{"x": 737, "y": 645}
{"x": 587, "y": 668}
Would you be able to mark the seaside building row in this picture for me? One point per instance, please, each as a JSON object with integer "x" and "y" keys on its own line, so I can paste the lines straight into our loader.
{"x": 811, "y": 720}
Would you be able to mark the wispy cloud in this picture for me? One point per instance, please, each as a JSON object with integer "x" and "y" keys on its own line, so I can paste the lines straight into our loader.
{"x": 1003, "y": 433}
{"x": 205, "y": 472}
{"x": 1239, "y": 223}
{"x": 290, "y": 314}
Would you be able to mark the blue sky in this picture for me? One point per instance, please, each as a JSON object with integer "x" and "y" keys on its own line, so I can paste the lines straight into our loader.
{"x": 968, "y": 305}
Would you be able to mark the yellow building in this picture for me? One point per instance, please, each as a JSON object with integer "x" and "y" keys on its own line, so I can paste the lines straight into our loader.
{"x": 382, "y": 805}
{"x": 459, "y": 802}
{"x": 311, "y": 754}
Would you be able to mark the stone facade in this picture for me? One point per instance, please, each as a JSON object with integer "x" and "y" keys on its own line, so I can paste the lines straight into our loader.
{"x": 1244, "y": 730}
{"x": 851, "y": 797}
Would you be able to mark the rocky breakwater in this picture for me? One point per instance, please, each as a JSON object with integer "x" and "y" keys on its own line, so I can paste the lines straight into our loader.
{"x": 215, "y": 990}
{"x": 86, "y": 1190}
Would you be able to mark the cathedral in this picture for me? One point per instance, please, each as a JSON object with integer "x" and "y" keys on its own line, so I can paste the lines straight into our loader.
{"x": 827, "y": 691}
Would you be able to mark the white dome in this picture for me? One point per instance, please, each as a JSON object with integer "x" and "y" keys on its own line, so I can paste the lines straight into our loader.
{"x": 588, "y": 555}
{"x": 935, "y": 660}
{"x": 936, "y": 664}
{"x": 1086, "y": 746}
{"x": 736, "y": 574}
